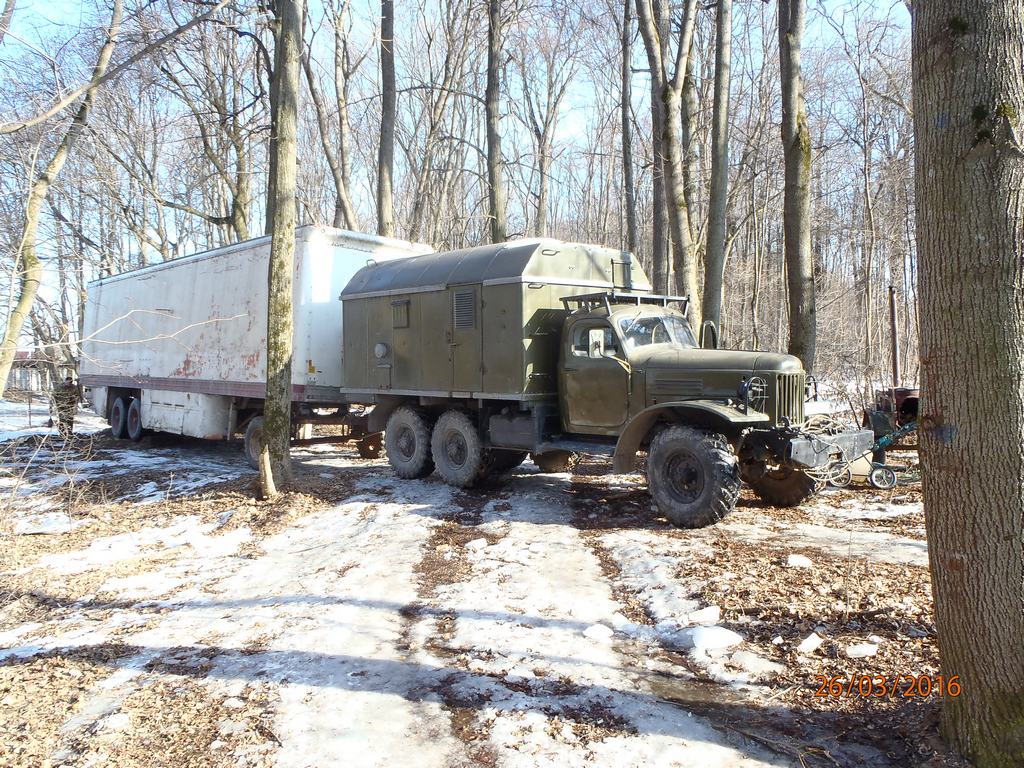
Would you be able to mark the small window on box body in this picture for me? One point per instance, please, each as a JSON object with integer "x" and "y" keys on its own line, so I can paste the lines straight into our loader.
{"x": 400, "y": 313}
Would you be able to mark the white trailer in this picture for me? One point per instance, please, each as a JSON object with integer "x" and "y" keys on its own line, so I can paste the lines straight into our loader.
{"x": 180, "y": 346}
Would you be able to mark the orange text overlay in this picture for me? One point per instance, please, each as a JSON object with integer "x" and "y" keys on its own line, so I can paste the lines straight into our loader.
{"x": 886, "y": 687}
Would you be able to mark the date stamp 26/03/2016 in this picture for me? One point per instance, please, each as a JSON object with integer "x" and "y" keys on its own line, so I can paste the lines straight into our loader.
{"x": 887, "y": 687}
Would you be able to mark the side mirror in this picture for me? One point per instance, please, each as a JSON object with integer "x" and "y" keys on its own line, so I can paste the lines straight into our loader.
{"x": 709, "y": 335}
{"x": 595, "y": 342}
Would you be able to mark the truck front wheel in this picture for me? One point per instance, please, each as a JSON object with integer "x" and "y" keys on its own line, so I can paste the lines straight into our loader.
{"x": 779, "y": 486}
{"x": 457, "y": 449}
{"x": 407, "y": 443}
{"x": 692, "y": 476}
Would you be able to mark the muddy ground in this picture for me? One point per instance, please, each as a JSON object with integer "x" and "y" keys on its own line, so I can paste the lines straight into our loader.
{"x": 168, "y": 617}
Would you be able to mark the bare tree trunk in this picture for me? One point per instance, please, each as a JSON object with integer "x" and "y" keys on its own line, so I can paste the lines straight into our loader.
{"x": 275, "y": 463}
{"x": 626, "y": 98}
{"x": 344, "y": 212}
{"x": 666, "y": 104}
{"x": 968, "y": 86}
{"x": 6, "y": 16}
{"x": 386, "y": 152}
{"x": 714, "y": 259}
{"x": 544, "y": 184}
{"x": 31, "y": 266}
{"x": 495, "y": 162}
{"x": 796, "y": 146}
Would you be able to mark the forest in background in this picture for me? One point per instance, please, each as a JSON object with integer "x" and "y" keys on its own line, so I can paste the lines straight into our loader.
{"x": 174, "y": 155}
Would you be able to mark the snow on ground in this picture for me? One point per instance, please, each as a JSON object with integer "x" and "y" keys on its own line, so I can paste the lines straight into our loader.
{"x": 23, "y": 419}
{"x": 413, "y": 624}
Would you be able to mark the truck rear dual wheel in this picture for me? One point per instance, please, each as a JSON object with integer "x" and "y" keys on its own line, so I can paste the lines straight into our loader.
{"x": 779, "y": 486}
{"x": 119, "y": 418}
{"x": 693, "y": 476}
{"x": 457, "y": 449}
{"x": 133, "y": 427}
{"x": 407, "y": 443}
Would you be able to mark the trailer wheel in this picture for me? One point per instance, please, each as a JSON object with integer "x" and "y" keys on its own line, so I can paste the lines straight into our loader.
{"x": 254, "y": 441}
{"x": 555, "y": 461}
{"x": 407, "y": 443}
{"x": 370, "y": 447}
{"x": 692, "y": 476}
{"x": 118, "y": 418}
{"x": 457, "y": 449}
{"x": 779, "y": 486}
{"x": 133, "y": 427}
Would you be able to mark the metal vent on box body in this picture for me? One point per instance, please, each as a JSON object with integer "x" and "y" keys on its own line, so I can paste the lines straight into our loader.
{"x": 400, "y": 313}
{"x": 464, "y": 305}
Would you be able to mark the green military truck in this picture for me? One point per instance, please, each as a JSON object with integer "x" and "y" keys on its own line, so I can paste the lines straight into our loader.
{"x": 475, "y": 359}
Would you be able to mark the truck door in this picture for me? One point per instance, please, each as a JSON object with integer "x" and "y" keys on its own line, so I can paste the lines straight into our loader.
{"x": 595, "y": 392}
{"x": 464, "y": 336}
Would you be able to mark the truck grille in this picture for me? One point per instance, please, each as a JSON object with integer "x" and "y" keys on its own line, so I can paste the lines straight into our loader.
{"x": 789, "y": 398}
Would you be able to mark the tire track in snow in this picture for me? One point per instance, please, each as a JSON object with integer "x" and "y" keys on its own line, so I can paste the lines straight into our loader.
{"x": 528, "y": 634}
{"x": 317, "y": 616}
{"x": 637, "y": 553}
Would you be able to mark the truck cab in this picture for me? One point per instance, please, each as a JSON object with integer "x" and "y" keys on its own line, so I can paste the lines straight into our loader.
{"x": 619, "y": 359}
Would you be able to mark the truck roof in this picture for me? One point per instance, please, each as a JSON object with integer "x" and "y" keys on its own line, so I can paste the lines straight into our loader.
{"x": 306, "y": 231}
{"x": 544, "y": 261}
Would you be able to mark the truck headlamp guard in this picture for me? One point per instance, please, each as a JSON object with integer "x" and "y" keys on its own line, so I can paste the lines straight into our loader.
{"x": 753, "y": 392}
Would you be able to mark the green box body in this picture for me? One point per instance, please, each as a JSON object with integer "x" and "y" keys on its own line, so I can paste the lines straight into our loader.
{"x": 479, "y": 323}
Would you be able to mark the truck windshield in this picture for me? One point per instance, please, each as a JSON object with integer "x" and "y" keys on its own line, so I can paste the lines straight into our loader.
{"x": 656, "y": 329}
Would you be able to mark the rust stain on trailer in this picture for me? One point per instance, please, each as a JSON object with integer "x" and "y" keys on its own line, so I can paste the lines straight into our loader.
{"x": 251, "y": 361}
{"x": 186, "y": 369}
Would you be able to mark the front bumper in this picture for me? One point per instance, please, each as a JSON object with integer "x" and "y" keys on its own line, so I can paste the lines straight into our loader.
{"x": 818, "y": 451}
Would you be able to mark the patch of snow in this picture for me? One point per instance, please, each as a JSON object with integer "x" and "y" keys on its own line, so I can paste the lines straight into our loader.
{"x": 710, "y": 615}
{"x": 861, "y": 650}
{"x": 871, "y": 545}
{"x": 810, "y": 644}
{"x": 709, "y": 638}
{"x": 799, "y": 561}
{"x": 756, "y": 666}
{"x": 45, "y": 523}
{"x": 599, "y": 632}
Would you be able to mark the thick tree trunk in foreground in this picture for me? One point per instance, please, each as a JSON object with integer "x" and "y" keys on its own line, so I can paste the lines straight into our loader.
{"x": 714, "y": 259}
{"x": 495, "y": 163}
{"x": 386, "y": 149}
{"x": 968, "y": 69}
{"x": 275, "y": 463}
{"x": 796, "y": 217}
{"x": 31, "y": 268}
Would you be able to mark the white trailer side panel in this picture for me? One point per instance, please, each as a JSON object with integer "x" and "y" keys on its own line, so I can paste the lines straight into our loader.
{"x": 198, "y": 324}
